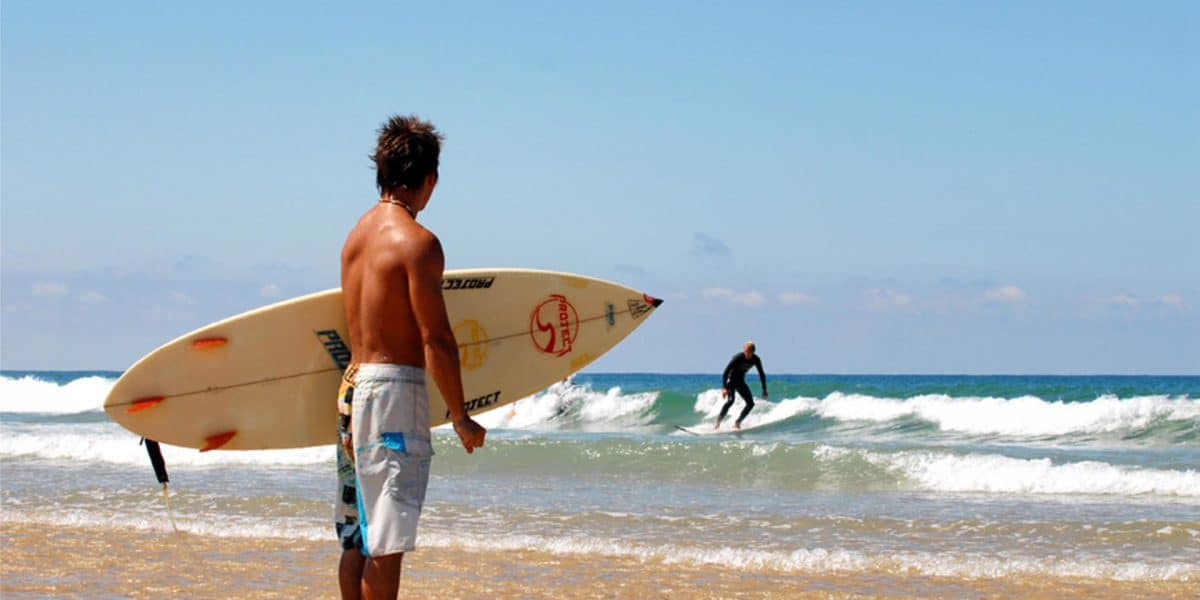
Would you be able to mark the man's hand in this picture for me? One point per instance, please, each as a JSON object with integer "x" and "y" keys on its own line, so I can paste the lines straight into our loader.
{"x": 764, "y": 394}
{"x": 470, "y": 433}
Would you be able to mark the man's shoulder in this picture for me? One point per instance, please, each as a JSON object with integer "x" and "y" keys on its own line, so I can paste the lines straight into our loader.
{"x": 416, "y": 236}
{"x": 408, "y": 239}
{"x": 424, "y": 243}
{"x": 419, "y": 249}
{"x": 401, "y": 247}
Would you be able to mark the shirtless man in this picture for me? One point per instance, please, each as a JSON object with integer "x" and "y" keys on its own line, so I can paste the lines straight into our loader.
{"x": 392, "y": 290}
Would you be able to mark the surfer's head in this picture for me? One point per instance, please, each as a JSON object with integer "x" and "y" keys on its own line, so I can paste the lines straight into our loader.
{"x": 748, "y": 349}
{"x": 406, "y": 157}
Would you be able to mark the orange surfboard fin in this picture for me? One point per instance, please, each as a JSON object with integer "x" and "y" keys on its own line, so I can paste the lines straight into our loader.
{"x": 143, "y": 403}
{"x": 209, "y": 342}
{"x": 213, "y": 442}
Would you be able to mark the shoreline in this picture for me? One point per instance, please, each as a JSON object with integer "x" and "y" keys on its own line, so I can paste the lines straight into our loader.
{"x": 56, "y": 560}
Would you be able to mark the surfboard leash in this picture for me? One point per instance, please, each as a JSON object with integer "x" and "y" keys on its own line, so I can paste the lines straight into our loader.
{"x": 160, "y": 472}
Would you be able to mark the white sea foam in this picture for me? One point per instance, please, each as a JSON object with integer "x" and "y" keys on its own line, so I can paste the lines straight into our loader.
{"x": 226, "y": 526}
{"x": 1024, "y": 416}
{"x": 946, "y": 472}
{"x": 107, "y": 443}
{"x": 30, "y": 394}
{"x": 617, "y": 408}
{"x": 709, "y": 403}
{"x": 568, "y": 405}
{"x": 802, "y": 560}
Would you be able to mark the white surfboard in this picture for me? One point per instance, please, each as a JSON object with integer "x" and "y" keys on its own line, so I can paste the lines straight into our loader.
{"x": 268, "y": 378}
{"x": 727, "y": 428}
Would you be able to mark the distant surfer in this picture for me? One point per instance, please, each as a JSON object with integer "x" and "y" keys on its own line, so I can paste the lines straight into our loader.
{"x": 734, "y": 380}
{"x": 561, "y": 391}
{"x": 392, "y": 292}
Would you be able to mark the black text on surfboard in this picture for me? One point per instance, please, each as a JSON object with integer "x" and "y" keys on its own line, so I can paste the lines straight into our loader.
{"x": 467, "y": 283}
{"x": 335, "y": 346}
{"x": 480, "y": 402}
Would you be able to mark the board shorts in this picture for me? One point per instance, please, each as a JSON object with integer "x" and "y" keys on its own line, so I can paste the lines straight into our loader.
{"x": 383, "y": 456}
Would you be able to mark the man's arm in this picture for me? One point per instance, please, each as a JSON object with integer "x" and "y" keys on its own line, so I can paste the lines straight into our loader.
{"x": 761, "y": 375}
{"x": 440, "y": 347}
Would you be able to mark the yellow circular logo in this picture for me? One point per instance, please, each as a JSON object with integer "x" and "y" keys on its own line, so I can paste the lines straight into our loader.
{"x": 472, "y": 350}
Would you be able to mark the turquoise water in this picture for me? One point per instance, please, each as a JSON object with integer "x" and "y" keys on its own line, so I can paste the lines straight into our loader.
{"x": 988, "y": 476}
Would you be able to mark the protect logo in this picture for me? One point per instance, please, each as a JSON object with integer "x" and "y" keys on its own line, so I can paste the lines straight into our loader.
{"x": 335, "y": 347}
{"x": 476, "y": 404}
{"x": 554, "y": 325}
{"x": 468, "y": 283}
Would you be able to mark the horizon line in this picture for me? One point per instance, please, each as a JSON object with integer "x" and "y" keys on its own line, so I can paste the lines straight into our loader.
{"x": 717, "y": 373}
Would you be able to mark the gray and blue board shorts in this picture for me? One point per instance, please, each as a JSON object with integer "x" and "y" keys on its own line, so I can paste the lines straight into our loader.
{"x": 383, "y": 457}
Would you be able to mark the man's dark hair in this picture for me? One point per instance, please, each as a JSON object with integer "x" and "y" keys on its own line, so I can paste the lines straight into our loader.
{"x": 407, "y": 151}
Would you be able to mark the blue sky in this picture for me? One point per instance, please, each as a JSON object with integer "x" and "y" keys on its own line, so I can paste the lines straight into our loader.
{"x": 949, "y": 187}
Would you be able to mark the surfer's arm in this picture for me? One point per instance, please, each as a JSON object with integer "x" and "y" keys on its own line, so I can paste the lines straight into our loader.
{"x": 437, "y": 338}
{"x": 762, "y": 376}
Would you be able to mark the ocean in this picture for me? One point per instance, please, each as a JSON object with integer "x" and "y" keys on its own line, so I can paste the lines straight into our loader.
{"x": 971, "y": 477}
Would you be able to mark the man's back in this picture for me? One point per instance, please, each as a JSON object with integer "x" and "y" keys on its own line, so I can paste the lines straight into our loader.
{"x": 381, "y": 257}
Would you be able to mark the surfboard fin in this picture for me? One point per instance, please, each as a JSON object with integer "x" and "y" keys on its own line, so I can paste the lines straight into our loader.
{"x": 143, "y": 403}
{"x": 213, "y": 442}
{"x": 209, "y": 342}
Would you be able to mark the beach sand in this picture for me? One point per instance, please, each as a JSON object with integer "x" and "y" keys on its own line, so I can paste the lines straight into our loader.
{"x": 40, "y": 561}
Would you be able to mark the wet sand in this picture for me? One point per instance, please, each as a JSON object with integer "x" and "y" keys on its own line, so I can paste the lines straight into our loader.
{"x": 37, "y": 561}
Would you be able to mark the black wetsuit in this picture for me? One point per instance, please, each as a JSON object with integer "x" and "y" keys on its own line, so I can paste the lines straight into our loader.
{"x": 734, "y": 379}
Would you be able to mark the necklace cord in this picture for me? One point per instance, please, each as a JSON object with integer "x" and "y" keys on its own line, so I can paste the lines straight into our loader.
{"x": 403, "y": 205}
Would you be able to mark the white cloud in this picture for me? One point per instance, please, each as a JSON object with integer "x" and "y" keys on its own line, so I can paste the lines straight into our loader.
{"x": 725, "y": 294}
{"x": 797, "y": 298}
{"x": 52, "y": 289}
{"x": 1122, "y": 300}
{"x": 707, "y": 245}
{"x": 270, "y": 291}
{"x": 1125, "y": 300}
{"x": 92, "y": 297}
{"x": 751, "y": 299}
{"x": 1129, "y": 304}
{"x": 1010, "y": 294}
{"x": 880, "y": 300}
{"x": 1175, "y": 300}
